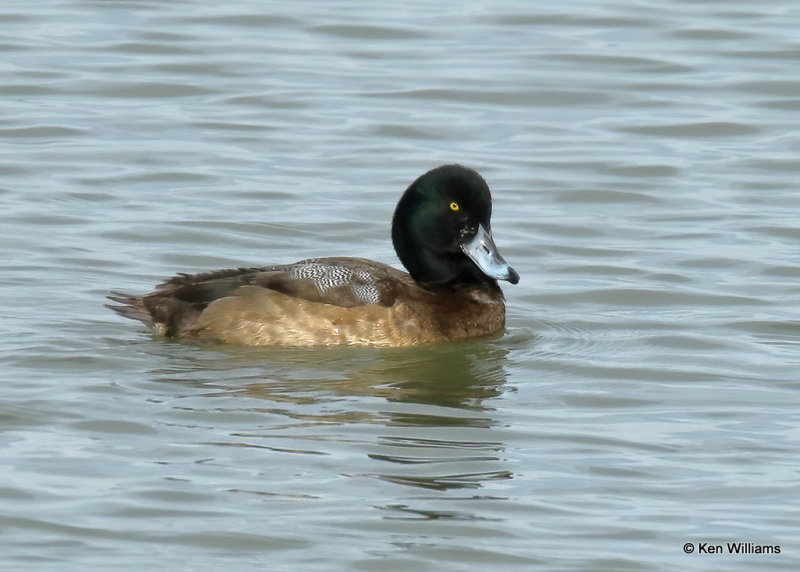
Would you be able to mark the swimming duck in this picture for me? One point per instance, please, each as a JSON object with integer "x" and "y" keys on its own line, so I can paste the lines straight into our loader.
{"x": 441, "y": 232}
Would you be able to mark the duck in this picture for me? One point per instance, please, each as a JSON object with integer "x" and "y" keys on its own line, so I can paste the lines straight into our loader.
{"x": 441, "y": 232}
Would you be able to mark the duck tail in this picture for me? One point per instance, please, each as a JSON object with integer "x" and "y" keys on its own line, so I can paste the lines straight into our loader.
{"x": 131, "y": 307}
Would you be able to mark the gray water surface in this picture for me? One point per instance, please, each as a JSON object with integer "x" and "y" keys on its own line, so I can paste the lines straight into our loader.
{"x": 644, "y": 162}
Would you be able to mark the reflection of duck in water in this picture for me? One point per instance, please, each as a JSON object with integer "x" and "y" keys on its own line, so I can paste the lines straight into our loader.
{"x": 461, "y": 376}
{"x": 423, "y": 416}
{"x": 455, "y": 375}
{"x": 441, "y": 232}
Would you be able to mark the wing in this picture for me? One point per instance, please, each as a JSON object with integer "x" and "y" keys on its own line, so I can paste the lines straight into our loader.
{"x": 345, "y": 282}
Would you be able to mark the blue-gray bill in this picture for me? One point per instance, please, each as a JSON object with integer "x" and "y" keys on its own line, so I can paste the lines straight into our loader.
{"x": 483, "y": 252}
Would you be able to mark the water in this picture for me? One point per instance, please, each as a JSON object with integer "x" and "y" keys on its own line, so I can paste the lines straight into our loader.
{"x": 643, "y": 159}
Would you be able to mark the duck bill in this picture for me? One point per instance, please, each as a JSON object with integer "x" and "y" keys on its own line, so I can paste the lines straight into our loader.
{"x": 483, "y": 252}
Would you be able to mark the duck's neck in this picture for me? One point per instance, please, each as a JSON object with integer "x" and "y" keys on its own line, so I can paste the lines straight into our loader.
{"x": 480, "y": 288}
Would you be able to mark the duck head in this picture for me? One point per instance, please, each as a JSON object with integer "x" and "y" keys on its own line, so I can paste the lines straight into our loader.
{"x": 441, "y": 229}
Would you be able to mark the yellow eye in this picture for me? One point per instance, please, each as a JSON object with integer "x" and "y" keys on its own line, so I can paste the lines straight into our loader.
{"x": 455, "y": 207}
